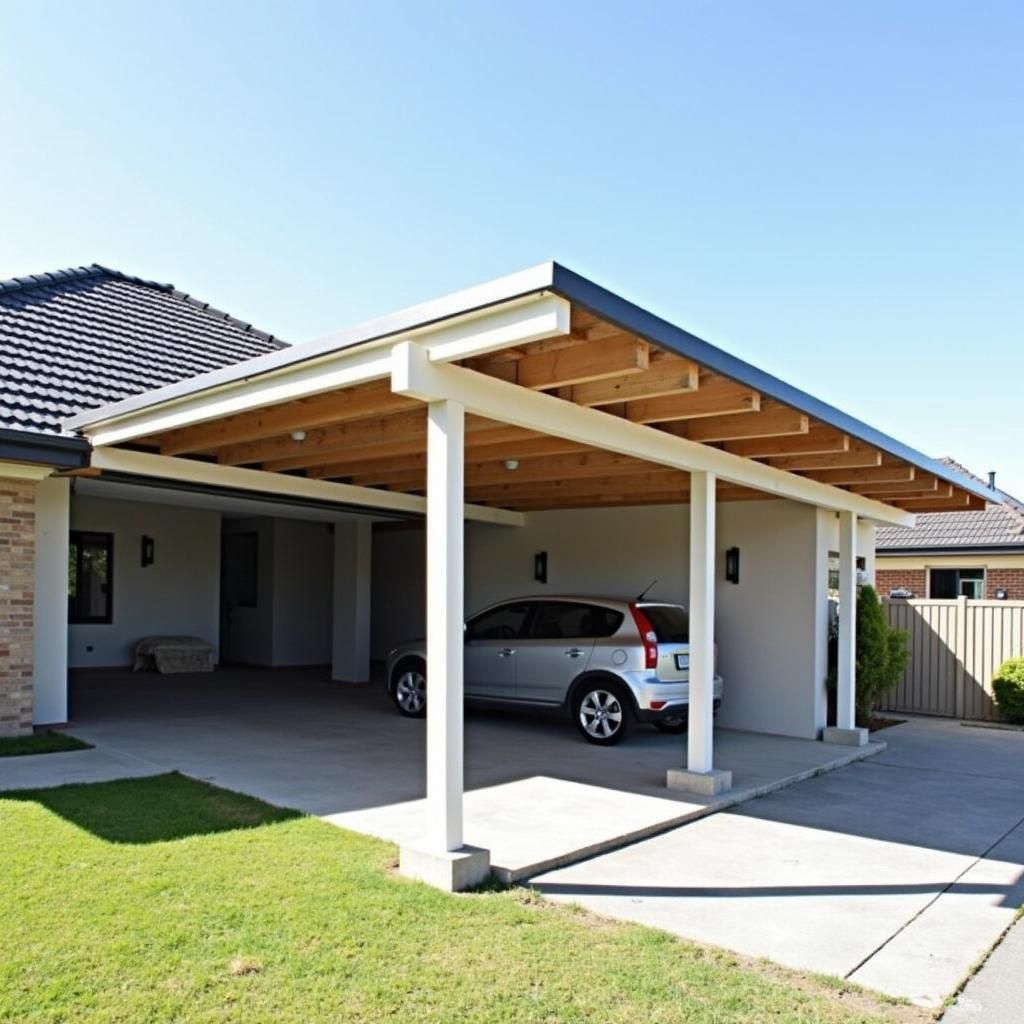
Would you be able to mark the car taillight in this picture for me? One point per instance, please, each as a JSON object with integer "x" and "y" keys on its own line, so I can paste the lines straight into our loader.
{"x": 647, "y": 636}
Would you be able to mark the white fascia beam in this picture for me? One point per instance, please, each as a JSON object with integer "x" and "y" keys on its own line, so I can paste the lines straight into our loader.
{"x": 517, "y": 322}
{"x": 414, "y": 374}
{"x": 167, "y": 467}
{"x": 24, "y": 471}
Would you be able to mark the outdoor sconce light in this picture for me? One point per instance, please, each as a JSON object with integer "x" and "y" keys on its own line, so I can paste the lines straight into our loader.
{"x": 540, "y": 567}
{"x": 148, "y": 550}
{"x": 1001, "y": 593}
{"x": 732, "y": 565}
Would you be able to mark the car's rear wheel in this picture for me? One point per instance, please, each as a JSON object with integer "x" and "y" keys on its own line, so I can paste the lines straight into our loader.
{"x": 603, "y": 712}
{"x": 409, "y": 688}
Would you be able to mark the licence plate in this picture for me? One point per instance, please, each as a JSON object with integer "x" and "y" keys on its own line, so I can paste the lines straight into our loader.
{"x": 682, "y": 661}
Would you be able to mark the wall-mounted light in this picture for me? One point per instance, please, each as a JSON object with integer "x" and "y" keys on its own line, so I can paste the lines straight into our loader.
{"x": 298, "y": 435}
{"x": 732, "y": 565}
{"x": 540, "y": 567}
{"x": 511, "y": 465}
{"x": 148, "y": 552}
{"x": 1002, "y": 593}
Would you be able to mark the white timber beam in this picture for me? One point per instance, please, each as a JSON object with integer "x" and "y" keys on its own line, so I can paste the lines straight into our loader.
{"x": 168, "y": 467}
{"x": 846, "y": 730}
{"x": 441, "y": 858}
{"x": 480, "y": 332}
{"x": 414, "y": 374}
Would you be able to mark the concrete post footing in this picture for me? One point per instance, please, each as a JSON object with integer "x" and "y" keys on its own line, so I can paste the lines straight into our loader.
{"x": 705, "y": 783}
{"x": 452, "y": 871}
{"x": 848, "y": 737}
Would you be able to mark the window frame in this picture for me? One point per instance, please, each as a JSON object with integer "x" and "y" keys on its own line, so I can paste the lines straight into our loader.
{"x": 524, "y": 629}
{"x": 75, "y": 542}
{"x": 981, "y": 581}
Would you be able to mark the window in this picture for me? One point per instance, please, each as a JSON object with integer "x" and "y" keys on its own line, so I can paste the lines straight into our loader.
{"x": 506, "y": 622}
{"x": 90, "y": 577}
{"x": 947, "y": 584}
{"x": 833, "y": 569}
{"x": 671, "y": 622}
{"x": 556, "y": 620}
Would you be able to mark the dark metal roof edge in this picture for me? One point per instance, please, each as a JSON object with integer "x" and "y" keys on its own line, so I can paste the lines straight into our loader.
{"x": 634, "y": 318}
{"x": 44, "y": 449}
{"x": 952, "y": 549}
{"x": 503, "y": 289}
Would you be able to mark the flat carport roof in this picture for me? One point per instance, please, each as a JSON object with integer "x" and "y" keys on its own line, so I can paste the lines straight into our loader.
{"x": 537, "y": 391}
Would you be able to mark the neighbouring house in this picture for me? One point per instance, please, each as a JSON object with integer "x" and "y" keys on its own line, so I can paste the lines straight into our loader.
{"x": 166, "y": 470}
{"x": 977, "y": 553}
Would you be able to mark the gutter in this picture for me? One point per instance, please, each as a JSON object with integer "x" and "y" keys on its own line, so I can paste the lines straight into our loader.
{"x": 959, "y": 549}
{"x": 55, "y": 450}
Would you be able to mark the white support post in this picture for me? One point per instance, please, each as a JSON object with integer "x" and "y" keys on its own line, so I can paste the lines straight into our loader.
{"x": 700, "y": 775}
{"x": 443, "y": 860}
{"x": 845, "y": 730}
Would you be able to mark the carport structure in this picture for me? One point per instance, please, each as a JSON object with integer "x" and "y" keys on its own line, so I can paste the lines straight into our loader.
{"x": 537, "y": 391}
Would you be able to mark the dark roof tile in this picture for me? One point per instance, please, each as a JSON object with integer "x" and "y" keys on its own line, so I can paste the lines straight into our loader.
{"x": 72, "y": 340}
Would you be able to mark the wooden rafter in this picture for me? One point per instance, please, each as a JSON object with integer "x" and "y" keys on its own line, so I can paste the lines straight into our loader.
{"x": 715, "y": 396}
{"x": 665, "y": 375}
{"x": 819, "y": 440}
{"x": 865, "y": 475}
{"x": 857, "y": 455}
{"x": 771, "y": 421}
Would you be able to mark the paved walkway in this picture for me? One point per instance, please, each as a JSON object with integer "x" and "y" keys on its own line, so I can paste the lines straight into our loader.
{"x": 898, "y": 873}
{"x": 995, "y": 995}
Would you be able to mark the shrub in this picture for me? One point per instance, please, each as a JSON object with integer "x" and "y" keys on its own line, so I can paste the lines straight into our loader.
{"x": 882, "y": 653}
{"x": 1008, "y": 687}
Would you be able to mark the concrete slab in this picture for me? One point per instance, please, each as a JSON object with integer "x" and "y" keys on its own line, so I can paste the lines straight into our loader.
{"x": 995, "y": 994}
{"x": 897, "y": 872}
{"x": 340, "y": 751}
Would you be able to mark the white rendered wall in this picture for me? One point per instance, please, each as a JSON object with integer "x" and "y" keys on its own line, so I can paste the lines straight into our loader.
{"x": 399, "y": 588}
{"x": 178, "y": 594}
{"x": 50, "y": 648}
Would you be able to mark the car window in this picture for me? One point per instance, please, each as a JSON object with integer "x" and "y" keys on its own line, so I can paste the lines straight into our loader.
{"x": 506, "y": 622}
{"x": 556, "y": 620}
{"x": 671, "y": 622}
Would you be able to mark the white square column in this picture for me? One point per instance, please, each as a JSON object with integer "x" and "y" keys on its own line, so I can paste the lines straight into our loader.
{"x": 846, "y": 730}
{"x": 50, "y": 641}
{"x": 700, "y": 775}
{"x": 441, "y": 859}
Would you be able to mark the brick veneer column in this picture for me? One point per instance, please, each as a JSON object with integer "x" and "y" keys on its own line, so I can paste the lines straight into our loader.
{"x": 17, "y": 585}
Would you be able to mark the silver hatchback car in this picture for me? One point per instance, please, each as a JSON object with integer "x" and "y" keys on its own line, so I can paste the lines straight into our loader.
{"x": 610, "y": 663}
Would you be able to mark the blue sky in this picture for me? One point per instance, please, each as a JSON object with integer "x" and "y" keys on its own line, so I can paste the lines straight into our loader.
{"x": 830, "y": 190}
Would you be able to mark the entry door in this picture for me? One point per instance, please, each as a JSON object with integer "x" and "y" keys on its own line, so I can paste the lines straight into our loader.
{"x": 492, "y": 649}
{"x": 558, "y": 650}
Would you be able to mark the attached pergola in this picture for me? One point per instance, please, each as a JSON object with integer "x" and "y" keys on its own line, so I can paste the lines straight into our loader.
{"x": 537, "y": 391}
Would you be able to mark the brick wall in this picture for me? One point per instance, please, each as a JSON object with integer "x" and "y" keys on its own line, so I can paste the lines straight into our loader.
{"x": 1011, "y": 579}
{"x": 17, "y": 584}
{"x": 887, "y": 580}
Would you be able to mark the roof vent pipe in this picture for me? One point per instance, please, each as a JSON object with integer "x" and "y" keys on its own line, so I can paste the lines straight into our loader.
{"x": 991, "y": 479}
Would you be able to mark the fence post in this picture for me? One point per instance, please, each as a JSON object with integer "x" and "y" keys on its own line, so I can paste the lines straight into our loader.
{"x": 960, "y": 653}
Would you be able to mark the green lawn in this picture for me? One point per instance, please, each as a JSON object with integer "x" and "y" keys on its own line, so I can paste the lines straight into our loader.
{"x": 164, "y": 899}
{"x": 40, "y": 743}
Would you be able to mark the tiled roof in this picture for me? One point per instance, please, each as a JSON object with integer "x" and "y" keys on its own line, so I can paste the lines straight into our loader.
{"x": 75, "y": 339}
{"x": 1000, "y": 524}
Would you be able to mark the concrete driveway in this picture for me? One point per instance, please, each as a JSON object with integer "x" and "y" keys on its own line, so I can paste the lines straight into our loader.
{"x": 897, "y": 873}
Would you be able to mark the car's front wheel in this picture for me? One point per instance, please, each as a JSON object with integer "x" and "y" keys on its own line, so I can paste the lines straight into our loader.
{"x": 409, "y": 688}
{"x": 603, "y": 713}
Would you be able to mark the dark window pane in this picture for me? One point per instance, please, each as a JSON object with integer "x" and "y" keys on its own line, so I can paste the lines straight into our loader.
{"x": 562, "y": 619}
{"x": 239, "y": 573}
{"x": 90, "y": 577}
{"x": 671, "y": 623}
{"x": 505, "y": 622}
{"x": 942, "y": 584}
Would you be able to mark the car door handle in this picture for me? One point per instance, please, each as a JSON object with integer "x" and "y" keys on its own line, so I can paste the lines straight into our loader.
{"x": 574, "y": 652}
{"x": 506, "y": 652}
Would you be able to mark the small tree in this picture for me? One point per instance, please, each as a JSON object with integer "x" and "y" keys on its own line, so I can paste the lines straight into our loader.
{"x": 1008, "y": 688}
{"x": 882, "y": 653}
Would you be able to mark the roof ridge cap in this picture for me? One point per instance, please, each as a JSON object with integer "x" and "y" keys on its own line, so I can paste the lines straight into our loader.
{"x": 227, "y": 317}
